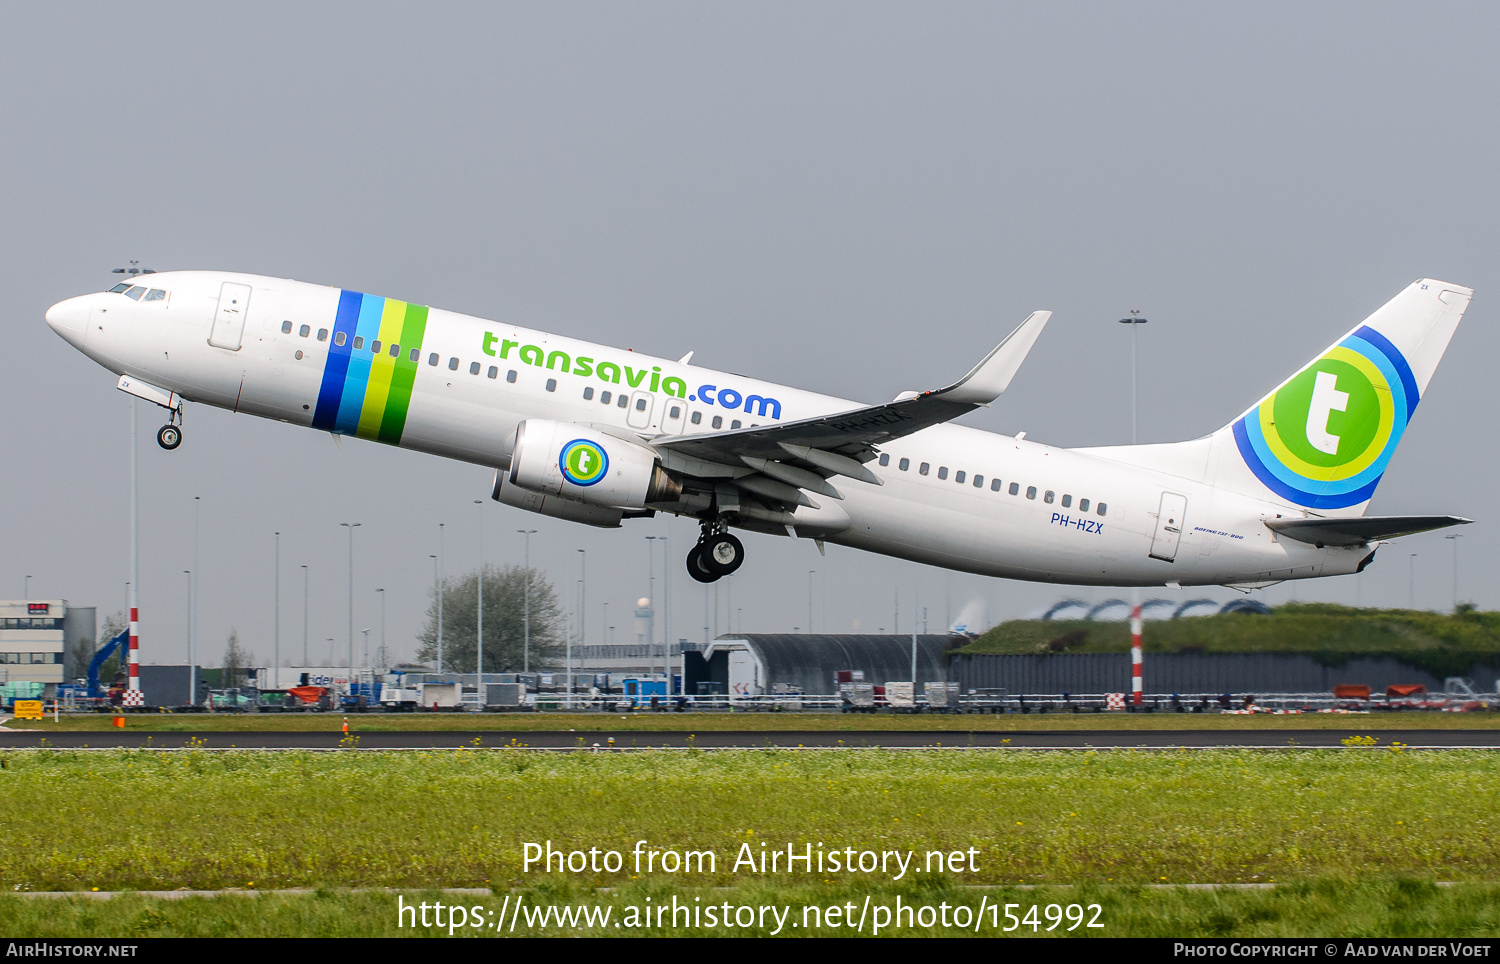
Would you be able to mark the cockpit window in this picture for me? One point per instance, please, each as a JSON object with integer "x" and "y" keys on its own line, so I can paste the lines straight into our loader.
{"x": 155, "y": 294}
{"x": 122, "y": 286}
{"x": 134, "y": 292}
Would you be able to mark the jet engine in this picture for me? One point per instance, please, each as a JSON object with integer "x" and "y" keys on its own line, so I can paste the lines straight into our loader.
{"x": 583, "y": 465}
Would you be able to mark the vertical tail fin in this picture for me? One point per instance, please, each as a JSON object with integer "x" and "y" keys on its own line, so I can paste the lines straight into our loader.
{"x": 1323, "y": 438}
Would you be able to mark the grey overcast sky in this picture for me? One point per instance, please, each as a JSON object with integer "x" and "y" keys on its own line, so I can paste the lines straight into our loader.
{"x": 859, "y": 198}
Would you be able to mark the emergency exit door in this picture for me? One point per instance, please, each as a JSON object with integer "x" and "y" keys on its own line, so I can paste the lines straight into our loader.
{"x": 1168, "y": 526}
{"x": 229, "y": 316}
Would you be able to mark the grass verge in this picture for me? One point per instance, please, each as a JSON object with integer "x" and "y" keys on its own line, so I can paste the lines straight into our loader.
{"x": 1324, "y": 908}
{"x": 461, "y": 818}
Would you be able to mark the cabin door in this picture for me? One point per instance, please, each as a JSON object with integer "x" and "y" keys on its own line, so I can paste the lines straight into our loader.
{"x": 1168, "y": 526}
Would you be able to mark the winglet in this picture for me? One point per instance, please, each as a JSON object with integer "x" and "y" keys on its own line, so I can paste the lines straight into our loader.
{"x": 992, "y": 376}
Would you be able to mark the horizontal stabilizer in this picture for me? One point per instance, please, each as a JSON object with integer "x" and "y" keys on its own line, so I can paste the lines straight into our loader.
{"x": 1360, "y": 530}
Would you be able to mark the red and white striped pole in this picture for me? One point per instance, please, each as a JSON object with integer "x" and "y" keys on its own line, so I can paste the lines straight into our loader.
{"x": 1135, "y": 654}
{"x": 134, "y": 682}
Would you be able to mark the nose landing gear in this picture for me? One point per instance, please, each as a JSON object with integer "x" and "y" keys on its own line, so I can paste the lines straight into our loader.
{"x": 716, "y": 555}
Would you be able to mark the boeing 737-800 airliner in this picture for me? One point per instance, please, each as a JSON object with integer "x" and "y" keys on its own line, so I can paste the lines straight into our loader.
{"x": 597, "y": 435}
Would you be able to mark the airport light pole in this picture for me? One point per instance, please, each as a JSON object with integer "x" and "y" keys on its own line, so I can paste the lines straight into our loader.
{"x": 651, "y": 595}
{"x": 351, "y": 526}
{"x": 437, "y": 594}
{"x": 189, "y": 614}
{"x": 193, "y": 628}
{"x": 526, "y": 535}
{"x": 276, "y": 646}
{"x": 1411, "y": 581}
{"x": 1453, "y": 538}
{"x": 304, "y": 615}
{"x": 382, "y": 621}
{"x": 583, "y": 608}
{"x": 440, "y": 579}
{"x": 28, "y": 588}
{"x": 479, "y": 652}
{"x": 1136, "y": 683}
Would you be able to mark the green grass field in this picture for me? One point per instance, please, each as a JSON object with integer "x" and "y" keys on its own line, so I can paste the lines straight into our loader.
{"x": 770, "y": 722}
{"x": 1359, "y": 834}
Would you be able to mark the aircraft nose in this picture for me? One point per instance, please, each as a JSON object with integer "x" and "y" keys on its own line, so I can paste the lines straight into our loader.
{"x": 69, "y": 318}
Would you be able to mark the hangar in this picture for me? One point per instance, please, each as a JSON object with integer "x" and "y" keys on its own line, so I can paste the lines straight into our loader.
{"x": 754, "y": 664}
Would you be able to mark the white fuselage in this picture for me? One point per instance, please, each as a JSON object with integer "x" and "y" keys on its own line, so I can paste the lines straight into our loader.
{"x": 473, "y": 381}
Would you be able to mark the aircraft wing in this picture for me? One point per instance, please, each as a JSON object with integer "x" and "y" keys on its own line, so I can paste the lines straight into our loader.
{"x": 1361, "y": 530}
{"x": 838, "y": 444}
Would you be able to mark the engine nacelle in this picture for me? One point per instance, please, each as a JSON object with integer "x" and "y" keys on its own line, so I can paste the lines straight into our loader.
{"x": 582, "y": 465}
{"x": 554, "y": 505}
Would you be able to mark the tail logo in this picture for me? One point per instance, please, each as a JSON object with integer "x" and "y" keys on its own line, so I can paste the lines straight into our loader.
{"x": 1323, "y": 438}
{"x": 583, "y": 462}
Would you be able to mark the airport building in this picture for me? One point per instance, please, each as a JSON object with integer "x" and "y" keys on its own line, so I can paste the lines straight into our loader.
{"x": 35, "y": 636}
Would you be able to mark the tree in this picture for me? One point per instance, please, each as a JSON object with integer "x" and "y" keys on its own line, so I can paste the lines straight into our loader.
{"x": 504, "y": 622}
{"x": 237, "y": 660}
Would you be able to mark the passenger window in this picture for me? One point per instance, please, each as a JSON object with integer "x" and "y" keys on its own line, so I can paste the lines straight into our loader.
{"x": 622, "y": 401}
{"x": 1031, "y": 492}
{"x": 493, "y": 372}
{"x": 922, "y": 469}
{"x": 1083, "y": 505}
{"x": 1102, "y": 508}
{"x": 374, "y": 347}
{"x": 959, "y": 476}
{"x": 453, "y": 364}
{"x": 340, "y": 338}
{"x": 994, "y": 485}
{"x": 588, "y": 394}
{"x": 904, "y": 464}
{"x": 322, "y": 334}
{"x": 432, "y": 359}
{"x": 359, "y": 342}
{"x": 299, "y": 354}
{"x": 551, "y": 384}
{"x": 286, "y": 327}
{"x": 640, "y": 403}
{"x": 1048, "y": 496}
{"x": 510, "y": 376}
{"x": 304, "y": 331}
{"x": 676, "y": 412}
{"x": 697, "y": 418}
{"x": 718, "y": 422}
{"x": 395, "y": 350}
{"x": 604, "y": 398}
{"x": 1015, "y": 488}
{"x": 1067, "y": 501}
{"x": 474, "y": 368}
{"x": 942, "y": 471}
{"x": 735, "y": 424}
{"x": 135, "y": 292}
{"x": 884, "y": 459}
{"x": 155, "y": 294}
{"x": 122, "y": 286}
{"x": 978, "y": 481}
{"x": 416, "y": 353}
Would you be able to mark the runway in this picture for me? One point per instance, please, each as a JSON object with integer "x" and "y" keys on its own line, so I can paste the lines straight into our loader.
{"x": 723, "y": 740}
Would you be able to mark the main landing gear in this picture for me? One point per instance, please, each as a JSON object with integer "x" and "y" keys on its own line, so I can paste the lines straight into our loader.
{"x": 169, "y": 436}
{"x": 716, "y": 555}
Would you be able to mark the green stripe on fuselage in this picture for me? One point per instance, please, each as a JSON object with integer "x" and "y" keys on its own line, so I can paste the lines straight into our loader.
{"x": 398, "y": 398}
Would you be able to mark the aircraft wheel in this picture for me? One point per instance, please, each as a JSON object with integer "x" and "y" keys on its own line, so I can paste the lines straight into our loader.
{"x": 169, "y": 437}
{"x": 723, "y": 554}
{"x": 695, "y": 566}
